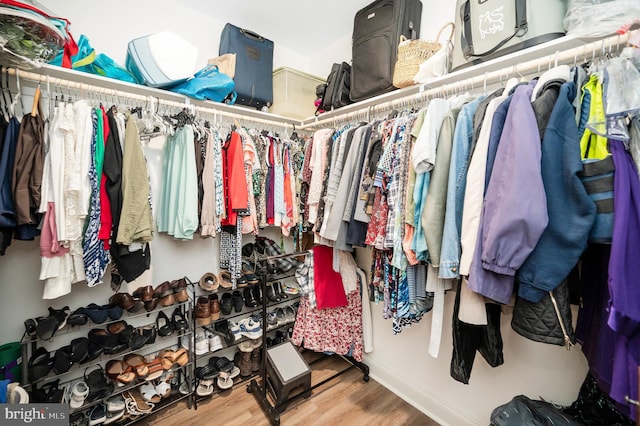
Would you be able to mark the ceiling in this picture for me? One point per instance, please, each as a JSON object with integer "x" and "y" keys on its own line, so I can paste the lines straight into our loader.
{"x": 301, "y": 26}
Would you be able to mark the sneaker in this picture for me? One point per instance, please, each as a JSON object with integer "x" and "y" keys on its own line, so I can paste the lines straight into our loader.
{"x": 215, "y": 342}
{"x": 202, "y": 344}
{"x": 234, "y": 331}
{"x": 291, "y": 289}
{"x": 249, "y": 328}
{"x": 272, "y": 319}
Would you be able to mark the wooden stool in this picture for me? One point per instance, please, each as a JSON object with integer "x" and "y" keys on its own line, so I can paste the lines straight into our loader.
{"x": 286, "y": 371}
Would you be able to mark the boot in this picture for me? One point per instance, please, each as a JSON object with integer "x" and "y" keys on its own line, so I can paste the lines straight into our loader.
{"x": 255, "y": 360}
{"x": 245, "y": 364}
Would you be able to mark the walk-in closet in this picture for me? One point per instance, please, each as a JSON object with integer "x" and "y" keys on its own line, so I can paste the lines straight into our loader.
{"x": 435, "y": 223}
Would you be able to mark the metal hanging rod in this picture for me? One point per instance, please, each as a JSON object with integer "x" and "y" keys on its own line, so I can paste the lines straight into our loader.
{"x": 89, "y": 83}
{"x": 566, "y": 50}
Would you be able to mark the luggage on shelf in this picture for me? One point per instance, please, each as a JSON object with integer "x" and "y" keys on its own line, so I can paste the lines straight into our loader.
{"x": 377, "y": 29}
{"x": 162, "y": 59}
{"x": 254, "y": 65}
{"x": 336, "y": 94}
{"x": 492, "y": 28}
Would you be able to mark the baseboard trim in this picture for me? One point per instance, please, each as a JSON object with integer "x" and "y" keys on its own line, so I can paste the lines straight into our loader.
{"x": 443, "y": 414}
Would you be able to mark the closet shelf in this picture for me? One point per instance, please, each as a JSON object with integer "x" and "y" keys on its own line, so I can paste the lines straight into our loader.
{"x": 83, "y": 82}
{"x": 535, "y": 59}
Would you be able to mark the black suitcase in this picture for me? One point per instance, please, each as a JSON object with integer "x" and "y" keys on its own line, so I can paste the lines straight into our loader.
{"x": 254, "y": 65}
{"x": 376, "y": 34}
{"x": 337, "y": 91}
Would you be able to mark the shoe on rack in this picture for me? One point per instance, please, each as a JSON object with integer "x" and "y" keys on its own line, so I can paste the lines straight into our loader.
{"x": 233, "y": 333}
{"x": 203, "y": 311}
{"x": 164, "y": 325}
{"x": 214, "y": 306}
{"x": 209, "y": 282}
{"x": 201, "y": 343}
{"x": 277, "y": 287}
{"x": 255, "y": 359}
{"x": 249, "y": 298}
{"x": 215, "y": 342}
{"x": 289, "y": 313}
{"x": 272, "y": 319}
{"x": 178, "y": 320}
{"x": 226, "y": 304}
{"x": 271, "y": 293}
{"x": 257, "y": 293}
{"x": 98, "y": 415}
{"x": 250, "y": 328}
{"x": 291, "y": 289}
{"x": 237, "y": 300}
{"x": 179, "y": 287}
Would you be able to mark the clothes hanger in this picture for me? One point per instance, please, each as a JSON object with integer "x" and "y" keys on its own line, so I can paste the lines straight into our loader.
{"x": 36, "y": 102}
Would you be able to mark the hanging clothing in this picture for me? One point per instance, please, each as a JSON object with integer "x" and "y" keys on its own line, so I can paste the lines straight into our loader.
{"x": 236, "y": 192}
{"x": 136, "y": 223}
{"x": 26, "y": 179}
{"x": 512, "y": 220}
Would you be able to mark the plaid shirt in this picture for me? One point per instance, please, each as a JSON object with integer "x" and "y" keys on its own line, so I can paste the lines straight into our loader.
{"x": 304, "y": 276}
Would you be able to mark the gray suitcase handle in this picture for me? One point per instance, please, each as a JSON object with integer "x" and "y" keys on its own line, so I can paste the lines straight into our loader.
{"x": 466, "y": 39}
{"x": 252, "y": 35}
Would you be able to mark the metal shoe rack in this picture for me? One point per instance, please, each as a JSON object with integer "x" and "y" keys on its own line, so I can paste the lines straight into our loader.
{"x": 259, "y": 388}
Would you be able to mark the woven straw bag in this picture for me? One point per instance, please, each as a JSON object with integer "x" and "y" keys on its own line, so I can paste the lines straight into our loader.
{"x": 412, "y": 53}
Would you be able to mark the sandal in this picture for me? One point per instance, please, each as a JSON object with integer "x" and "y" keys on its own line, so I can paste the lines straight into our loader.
{"x": 79, "y": 392}
{"x": 224, "y": 381}
{"x": 138, "y": 363}
{"x": 120, "y": 371}
{"x": 205, "y": 387}
{"x": 249, "y": 273}
{"x": 136, "y": 404}
{"x": 149, "y": 394}
{"x": 155, "y": 369}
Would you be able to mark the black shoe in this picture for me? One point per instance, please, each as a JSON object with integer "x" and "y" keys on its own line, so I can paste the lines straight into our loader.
{"x": 257, "y": 293}
{"x": 237, "y": 300}
{"x": 271, "y": 294}
{"x": 226, "y": 305}
{"x": 249, "y": 298}
{"x": 277, "y": 287}
{"x": 164, "y": 325}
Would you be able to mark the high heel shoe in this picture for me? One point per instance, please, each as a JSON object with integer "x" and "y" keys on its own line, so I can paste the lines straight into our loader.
{"x": 178, "y": 320}
{"x": 271, "y": 293}
{"x": 164, "y": 325}
{"x": 277, "y": 287}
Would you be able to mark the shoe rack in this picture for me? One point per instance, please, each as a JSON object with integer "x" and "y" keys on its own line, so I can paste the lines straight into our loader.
{"x": 267, "y": 302}
{"x": 267, "y": 398}
{"x": 63, "y": 383}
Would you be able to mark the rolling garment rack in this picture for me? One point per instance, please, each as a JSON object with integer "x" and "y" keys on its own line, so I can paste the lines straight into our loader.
{"x": 259, "y": 389}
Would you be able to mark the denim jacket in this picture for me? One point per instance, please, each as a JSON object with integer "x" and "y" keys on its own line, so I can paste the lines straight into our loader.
{"x": 450, "y": 252}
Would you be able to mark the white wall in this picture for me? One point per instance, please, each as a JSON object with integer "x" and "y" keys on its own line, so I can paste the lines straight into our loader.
{"x": 110, "y": 27}
{"x": 400, "y": 362}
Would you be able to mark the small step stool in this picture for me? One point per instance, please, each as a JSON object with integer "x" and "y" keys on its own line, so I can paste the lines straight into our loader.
{"x": 286, "y": 371}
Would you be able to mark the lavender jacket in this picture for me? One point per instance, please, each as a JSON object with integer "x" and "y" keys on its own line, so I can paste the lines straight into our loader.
{"x": 514, "y": 213}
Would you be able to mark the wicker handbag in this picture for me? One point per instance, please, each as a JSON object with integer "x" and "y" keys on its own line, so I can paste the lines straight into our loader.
{"x": 412, "y": 53}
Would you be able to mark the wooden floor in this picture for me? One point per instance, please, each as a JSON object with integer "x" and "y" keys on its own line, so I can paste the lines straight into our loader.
{"x": 346, "y": 400}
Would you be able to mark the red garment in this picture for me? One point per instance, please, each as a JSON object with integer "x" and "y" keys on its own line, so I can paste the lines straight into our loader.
{"x": 106, "y": 220}
{"x": 236, "y": 193}
{"x": 327, "y": 282}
